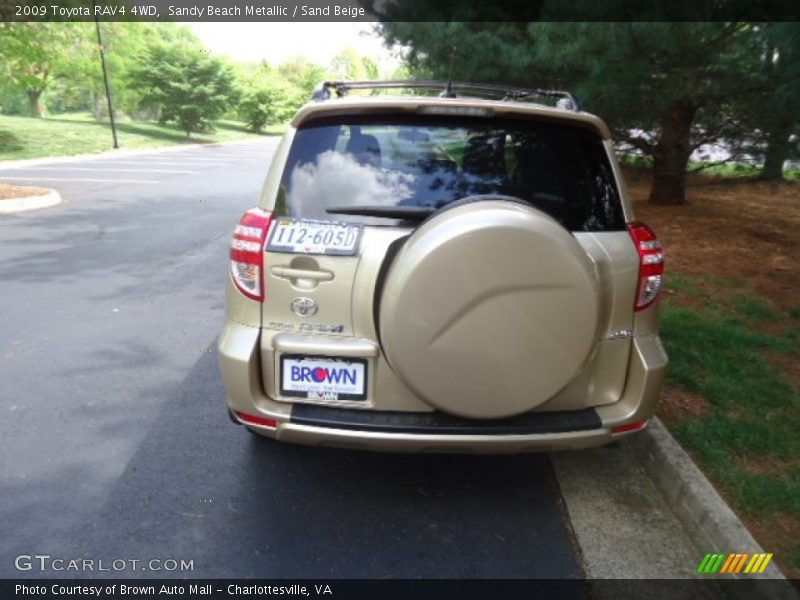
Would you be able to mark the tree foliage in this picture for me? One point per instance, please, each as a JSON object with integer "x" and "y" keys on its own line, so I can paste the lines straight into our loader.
{"x": 665, "y": 88}
{"x": 125, "y": 46}
{"x": 33, "y": 55}
{"x": 189, "y": 86}
{"x": 302, "y": 74}
{"x": 769, "y": 116}
{"x": 349, "y": 64}
{"x": 268, "y": 99}
{"x": 56, "y": 66}
{"x": 156, "y": 71}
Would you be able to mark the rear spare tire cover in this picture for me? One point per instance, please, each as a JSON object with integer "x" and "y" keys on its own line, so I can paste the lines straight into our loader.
{"x": 489, "y": 309}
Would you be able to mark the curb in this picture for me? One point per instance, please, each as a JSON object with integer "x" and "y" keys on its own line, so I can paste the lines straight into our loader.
{"x": 705, "y": 515}
{"x": 13, "y": 205}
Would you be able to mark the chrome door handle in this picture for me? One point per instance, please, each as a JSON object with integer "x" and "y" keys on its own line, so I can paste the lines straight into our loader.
{"x": 290, "y": 273}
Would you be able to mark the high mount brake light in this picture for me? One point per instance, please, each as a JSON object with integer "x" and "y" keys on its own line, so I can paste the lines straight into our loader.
{"x": 247, "y": 253}
{"x": 651, "y": 264}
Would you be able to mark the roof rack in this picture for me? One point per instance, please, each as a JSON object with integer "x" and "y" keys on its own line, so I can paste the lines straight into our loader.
{"x": 448, "y": 89}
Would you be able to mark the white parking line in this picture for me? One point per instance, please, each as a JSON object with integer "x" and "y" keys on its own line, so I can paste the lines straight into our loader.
{"x": 80, "y": 180}
{"x": 234, "y": 157}
{"x": 126, "y": 163}
{"x": 247, "y": 153}
{"x": 202, "y": 160}
{"x": 104, "y": 170}
{"x": 183, "y": 163}
{"x": 238, "y": 158}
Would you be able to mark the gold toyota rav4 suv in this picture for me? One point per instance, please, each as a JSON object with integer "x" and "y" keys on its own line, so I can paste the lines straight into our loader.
{"x": 452, "y": 273}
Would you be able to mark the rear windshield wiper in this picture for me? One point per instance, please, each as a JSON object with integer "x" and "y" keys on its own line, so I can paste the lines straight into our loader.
{"x": 408, "y": 213}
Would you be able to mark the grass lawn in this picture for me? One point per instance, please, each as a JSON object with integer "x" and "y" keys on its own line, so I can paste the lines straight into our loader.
{"x": 79, "y": 133}
{"x": 731, "y": 326}
{"x": 726, "y": 170}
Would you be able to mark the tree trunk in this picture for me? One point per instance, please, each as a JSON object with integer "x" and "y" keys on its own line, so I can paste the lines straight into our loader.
{"x": 99, "y": 106}
{"x": 671, "y": 154}
{"x": 34, "y": 99}
{"x": 777, "y": 152}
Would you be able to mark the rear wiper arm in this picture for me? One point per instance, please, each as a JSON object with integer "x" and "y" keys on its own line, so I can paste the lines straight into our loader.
{"x": 409, "y": 213}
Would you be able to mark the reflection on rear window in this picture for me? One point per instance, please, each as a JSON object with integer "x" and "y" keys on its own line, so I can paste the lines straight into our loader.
{"x": 430, "y": 162}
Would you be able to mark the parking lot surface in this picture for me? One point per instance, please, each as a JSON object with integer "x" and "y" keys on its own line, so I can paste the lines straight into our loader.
{"x": 115, "y": 439}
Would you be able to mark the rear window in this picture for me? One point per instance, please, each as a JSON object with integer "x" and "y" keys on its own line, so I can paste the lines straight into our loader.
{"x": 418, "y": 161}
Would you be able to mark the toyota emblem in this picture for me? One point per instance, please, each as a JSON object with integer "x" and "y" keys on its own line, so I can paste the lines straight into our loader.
{"x": 304, "y": 307}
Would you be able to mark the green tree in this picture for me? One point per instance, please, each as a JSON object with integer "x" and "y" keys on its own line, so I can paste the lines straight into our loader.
{"x": 268, "y": 99}
{"x": 303, "y": 75}
{"x": 370, "y": 67}
{"x": 665, "y": 88}
{"x": 32, "y": 55}
{"x": 126, "y": 44}
{"x": 266, "y": 105}
{"x": 12, "y": 101}
{"x": 662, "y": 86}
{"x": 771, "y": 113}
{"x": 349, "y": 64}
{"x": 189, "y": 86}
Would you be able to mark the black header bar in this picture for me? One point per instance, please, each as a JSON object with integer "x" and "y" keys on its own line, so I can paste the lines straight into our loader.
{"x": 397, "y": 10}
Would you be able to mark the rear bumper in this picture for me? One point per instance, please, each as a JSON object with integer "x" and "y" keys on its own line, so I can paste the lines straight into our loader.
{"x": 418, "y": 442}
{"x": 434, "y": 432}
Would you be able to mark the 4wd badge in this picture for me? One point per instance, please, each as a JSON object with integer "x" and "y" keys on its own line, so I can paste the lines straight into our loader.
{"x": 304, "y": 307}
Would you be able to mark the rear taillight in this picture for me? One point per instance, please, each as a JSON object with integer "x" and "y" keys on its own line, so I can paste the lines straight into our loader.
{"x": 247, "y": 253}
{"x": 651, "y": 264}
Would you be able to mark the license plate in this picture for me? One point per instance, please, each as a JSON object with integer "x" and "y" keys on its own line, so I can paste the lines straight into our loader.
{"x": 323, "y": 378}
{"x": 314, "y": 237}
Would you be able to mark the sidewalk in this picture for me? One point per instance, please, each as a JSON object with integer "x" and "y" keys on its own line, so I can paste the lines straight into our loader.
{"x": 641, "y": 509}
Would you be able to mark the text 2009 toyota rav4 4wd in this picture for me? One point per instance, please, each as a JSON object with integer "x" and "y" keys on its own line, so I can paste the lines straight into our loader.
{"x": 453, "y": 274}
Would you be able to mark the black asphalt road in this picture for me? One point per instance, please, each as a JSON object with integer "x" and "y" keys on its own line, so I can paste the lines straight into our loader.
{"x": 115, "y": 443}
